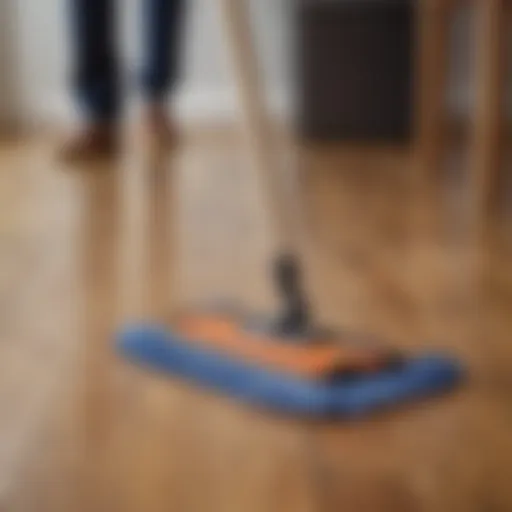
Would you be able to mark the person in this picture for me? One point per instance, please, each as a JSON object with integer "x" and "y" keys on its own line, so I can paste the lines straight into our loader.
{"x": 96, "y": 72}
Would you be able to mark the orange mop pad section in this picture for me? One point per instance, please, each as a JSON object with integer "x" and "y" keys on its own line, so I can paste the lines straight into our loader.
{"x": 317, "y": 359}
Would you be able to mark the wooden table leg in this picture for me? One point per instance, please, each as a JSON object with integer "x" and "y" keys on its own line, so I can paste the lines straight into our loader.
{"x": 487, "y": 137}
{"x": 433, "y": 49}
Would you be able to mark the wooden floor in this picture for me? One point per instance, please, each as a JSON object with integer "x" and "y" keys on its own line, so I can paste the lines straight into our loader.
{"x": 84, "y": 249}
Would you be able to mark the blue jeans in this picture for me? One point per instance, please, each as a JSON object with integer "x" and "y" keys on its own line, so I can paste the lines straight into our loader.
{"x": 95, "y": 62}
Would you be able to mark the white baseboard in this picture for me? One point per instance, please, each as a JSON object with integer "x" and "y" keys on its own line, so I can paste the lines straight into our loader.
{"x": 221, "y": 105}
{"x": 191, "y": 106}
{"x": 204, "y": 106}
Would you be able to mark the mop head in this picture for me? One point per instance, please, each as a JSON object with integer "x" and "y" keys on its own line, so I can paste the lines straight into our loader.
{"x": 325, "y": 377}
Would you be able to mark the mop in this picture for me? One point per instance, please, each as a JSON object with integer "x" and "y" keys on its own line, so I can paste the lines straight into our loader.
{"x": 287, "y": 363}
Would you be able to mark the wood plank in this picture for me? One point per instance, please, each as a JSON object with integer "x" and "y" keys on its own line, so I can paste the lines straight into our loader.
{"x": 125, "y": 240}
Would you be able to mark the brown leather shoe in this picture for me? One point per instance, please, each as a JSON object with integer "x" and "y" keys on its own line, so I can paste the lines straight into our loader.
{"x": 91, "y": 142}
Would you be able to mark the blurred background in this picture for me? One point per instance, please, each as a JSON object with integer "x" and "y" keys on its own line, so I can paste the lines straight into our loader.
{"x": 35, "y": 68}
{"x": 391, "y": 119}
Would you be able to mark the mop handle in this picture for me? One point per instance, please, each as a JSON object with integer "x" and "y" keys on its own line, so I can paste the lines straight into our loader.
{"x": 256, "y": 123}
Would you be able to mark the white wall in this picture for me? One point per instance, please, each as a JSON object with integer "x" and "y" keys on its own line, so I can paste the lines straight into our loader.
{"x": 207, "y": 89}
{"x": 206, "y": 84}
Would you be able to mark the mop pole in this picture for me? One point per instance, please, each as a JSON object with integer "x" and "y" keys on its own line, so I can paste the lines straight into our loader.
{"x": 259, "y": 138}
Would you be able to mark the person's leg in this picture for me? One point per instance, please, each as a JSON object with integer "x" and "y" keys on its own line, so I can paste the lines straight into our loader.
{"x": 94, "y": 58}
{"x": 162, "y": 31}
{"x": 162, "y": 36}
{"x": 95, "y": 75}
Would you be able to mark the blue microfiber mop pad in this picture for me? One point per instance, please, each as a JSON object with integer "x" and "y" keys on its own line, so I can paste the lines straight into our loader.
{"x": 165, "y": 352}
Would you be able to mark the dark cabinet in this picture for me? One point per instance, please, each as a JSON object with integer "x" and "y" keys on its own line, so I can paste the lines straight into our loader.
{"x": 355, "y": 68}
